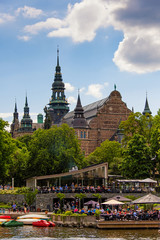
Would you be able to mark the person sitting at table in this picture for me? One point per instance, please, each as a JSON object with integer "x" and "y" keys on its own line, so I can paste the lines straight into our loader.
{"x": 89, "y": 211}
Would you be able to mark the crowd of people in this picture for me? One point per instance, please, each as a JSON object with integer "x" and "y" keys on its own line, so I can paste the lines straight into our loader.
{"x": 78, "y": 188}
{"x": 110, "y": 213}
{"x": 131, "y": 215}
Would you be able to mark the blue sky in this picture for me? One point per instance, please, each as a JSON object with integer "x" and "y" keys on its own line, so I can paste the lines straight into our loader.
{"x": 101, "y": 42}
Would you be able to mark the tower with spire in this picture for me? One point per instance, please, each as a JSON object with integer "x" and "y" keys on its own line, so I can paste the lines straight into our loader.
{"x": 79, "y": 121}
{"x": 26, "y": 122}
{"x": 58, "y": 105}
{"x": 15, "y": 123}
{"x": 146, "y": 108}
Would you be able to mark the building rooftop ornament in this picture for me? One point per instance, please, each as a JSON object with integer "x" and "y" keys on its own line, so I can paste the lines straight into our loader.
{"x": 146, "y": 108}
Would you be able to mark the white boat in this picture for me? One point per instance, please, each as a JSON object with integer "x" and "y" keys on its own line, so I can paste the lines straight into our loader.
{"x": 28, "y": 219}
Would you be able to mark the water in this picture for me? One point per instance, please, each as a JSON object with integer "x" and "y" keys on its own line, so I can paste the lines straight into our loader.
{"x": 34, "y": 233}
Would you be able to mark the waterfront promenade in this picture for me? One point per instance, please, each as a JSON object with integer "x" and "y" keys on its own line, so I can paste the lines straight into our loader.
{"x": 91, "y": 221}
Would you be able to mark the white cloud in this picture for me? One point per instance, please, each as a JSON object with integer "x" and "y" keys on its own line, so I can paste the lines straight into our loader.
{"x": 24, "y": 38}
{"x": 82, "y": 89}
{"x": 4, "y": 17}
{"x": 95, "y": 90}
{"x": 82, "y": 21}
{"x": 72, "y": 100}
{"x": 139, "y": 51}
{"x": 139, "y": 20}
{"x": 50, "y": 23}
{"x": 6, "y": 115}
{"x": 69, "y": 87}
{"x": 106, "y": 84}
{"x": 29, "y": 12}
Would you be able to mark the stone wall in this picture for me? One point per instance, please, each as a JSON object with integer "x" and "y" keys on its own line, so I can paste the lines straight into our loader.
{"x": 10, "y": 198}
{"x": 45, "y": 201}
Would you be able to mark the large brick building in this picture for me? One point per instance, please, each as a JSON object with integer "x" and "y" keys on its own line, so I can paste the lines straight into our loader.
{"x": 93, "y": 123}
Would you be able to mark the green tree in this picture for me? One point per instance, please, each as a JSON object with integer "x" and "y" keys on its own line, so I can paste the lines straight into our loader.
{"x": 26, "y": 139}
{"x": 80, "y": 196}
{"x": 61, "y": 196}
{"x": 7, "y": 148}
{"x": 18, "y": 166}
{"x": 136, "y": 123}
{"x": 137, "y": 158}
{"x": 109, "y": 151}
{"x": 30, "y": 197}
{"x": 54, "y": 150}
{"x": 98, "y": 196}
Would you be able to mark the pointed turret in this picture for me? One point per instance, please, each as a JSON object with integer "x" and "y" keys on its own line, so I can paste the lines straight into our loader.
{"x": 146, "y": 108}
{"x": 79, "y": 121}
{"x": 15, "y": 123}
{"x": 26, "y": 122}
{"x": 58, "y": 105}
{"x": 15, "y": 114}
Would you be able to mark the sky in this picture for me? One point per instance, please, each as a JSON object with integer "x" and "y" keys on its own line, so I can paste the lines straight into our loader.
{"x": 101, "y": 43}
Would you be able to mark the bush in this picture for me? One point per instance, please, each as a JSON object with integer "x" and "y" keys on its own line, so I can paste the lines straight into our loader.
{"x": 68, "y": 213}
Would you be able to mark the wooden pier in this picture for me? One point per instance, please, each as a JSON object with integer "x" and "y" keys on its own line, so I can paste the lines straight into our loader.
{"x": 128, "y": 224}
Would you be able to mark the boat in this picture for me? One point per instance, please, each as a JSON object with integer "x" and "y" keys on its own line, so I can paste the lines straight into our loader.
{"x": 5, "y": 216}
{"x": 51, "y": 224}
{"x": 12, "y": 223}
{"x": 28, "y": 219}
{"x": 43, "y": 223}
{"x": 5, "y": 219}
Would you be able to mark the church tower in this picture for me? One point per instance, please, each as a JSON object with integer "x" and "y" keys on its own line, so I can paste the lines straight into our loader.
{"x": 58, "y": 106}
{"x": 26, "y": 122}
{"x": 146, "y": 108}
{"x": 15, "y": 123}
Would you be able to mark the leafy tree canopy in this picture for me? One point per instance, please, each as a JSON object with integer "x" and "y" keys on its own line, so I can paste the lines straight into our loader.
{"x": 137, "y": 162}
{"x": 54, "y": 150}
{"x": 136, "y": 123}
{"x": 109, "y": 151}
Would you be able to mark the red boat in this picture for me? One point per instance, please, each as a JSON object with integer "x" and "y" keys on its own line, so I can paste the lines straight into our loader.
{"x": 5, "y": 216}
{"x": 43, "y": 223}
{"x": 51, "y": 224}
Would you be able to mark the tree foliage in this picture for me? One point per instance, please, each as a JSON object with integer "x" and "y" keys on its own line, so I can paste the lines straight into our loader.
{"x": 136, "y": 123}
{"x": 137, "y": 158}
{"x": 30, "y": 197}
{"x": 54, "y": 150}
{"x": 109, "y": 151}
{"x": 7, "y": 148}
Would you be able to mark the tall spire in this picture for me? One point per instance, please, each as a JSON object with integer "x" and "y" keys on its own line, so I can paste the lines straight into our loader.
{"x": 26, "y": 102}
{"x": 146, "y": 108}
{"x": 15, "y": 114}
{"x": 15, "y": 109}
{"x": 58, "y": 105}
{"x": 79, "y": 121}
{"x": 26, "y": 122}
{"x": 57, "y": 55}
{"x": 15, "y": 123}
